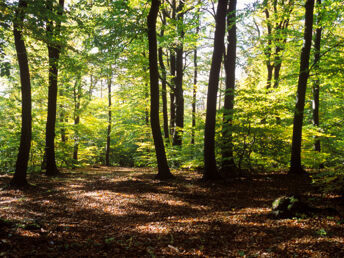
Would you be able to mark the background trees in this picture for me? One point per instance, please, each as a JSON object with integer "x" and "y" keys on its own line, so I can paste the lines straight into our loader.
{"x": 102, "y": 38}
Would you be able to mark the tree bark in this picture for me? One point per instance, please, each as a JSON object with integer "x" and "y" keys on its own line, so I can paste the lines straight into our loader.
{"x": 164, "y": 93}
{"x": 179, "y": 95}
{"x": 19, "y": 177}
{"x": 194, "y": 95}
{"x": 210, "y": 169}
{"x": 163, "y": 83}
{"x": 108, "y": 135}
{"x": 77, "y": 99}
{"x": 54, "y": 50}
{"x": 316, "y": 83}
{"x": 172, "y": 93}
{"x": 163, "y": 169}
{"x": 268, "y": 49}
{"x": 295, "y": 162}
{"x": 227, "y": 150}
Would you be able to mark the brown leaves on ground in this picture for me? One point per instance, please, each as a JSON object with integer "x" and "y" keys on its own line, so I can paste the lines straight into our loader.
{"x": 118, "y": 212}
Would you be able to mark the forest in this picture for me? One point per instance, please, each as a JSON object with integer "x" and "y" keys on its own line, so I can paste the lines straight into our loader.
{"x": 171, "y": 128}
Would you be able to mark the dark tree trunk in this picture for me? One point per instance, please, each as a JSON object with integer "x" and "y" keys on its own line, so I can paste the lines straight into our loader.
{"x": 163, "y": 84}
{"x": 147, "y": 108}
{"x": 179, "y": 95}
{"x": 268, "y": 49}
{"x": 77, "y": 99}
{"x": 316, "y": 83}
{"x": 210, "y": 169}
{"x": 227, "y": 151}
{"x": 164, "y": 93}
{"x": 54, "y": 49}
{"x": 62, "y": 119}
{"x": 194, "y": 95}
{"x": 295, "y": 162}
{"x": 19, "y": 177}
{"x": 195, "y": 82}
{"x": 172, "y": 93}
{"x": 277, "y": 66}
{"x": 108, "y": 135}
{"x": 163, "y": 169}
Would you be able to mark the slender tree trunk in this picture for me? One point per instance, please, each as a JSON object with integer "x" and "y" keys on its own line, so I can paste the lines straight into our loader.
{"x": 19, "y": 177}
{"x": 108, "y": 136}
{"x": 147, "y": 108}
{"x": 172, "y": 93}
{"x": 316, "y": 83}
{"x": 227, "y": 151}
{"x": 295, "y": 162}
{"x": 179, "y": 95}
{"x": 268, "y": 49}
{"x": 163, "y": 84}
{"x": 194, "y": 95}
{"x": 163, "y": 169}
{"x": 210, "y": 169}
{"x": 164, "y": 93}
{"x": 77, "y": 99}
{"x": 54, "y": 53}
{"x": 277, "y": 66}
{"x": 195, "y": 82}
{"x": 220, "y": 88}
{"x": 62, "y": 119}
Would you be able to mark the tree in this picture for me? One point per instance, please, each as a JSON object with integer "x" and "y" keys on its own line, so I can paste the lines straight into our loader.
{"x": 163, "y": 81}
{"x": 163, "y": 169}
{"x": 179, "y": 95}
{"x": 19, "y": 178}
{"x": 210, "y": 169}
{"x": 77, "y": 102}
{"x": 277, "y": 33}
{"x": 295, "y": 162}
{"x": 230, "y": 57}
{"x": 108, "y": 135}
{"x": 316, "y": 82}
{"x": 54, "y": 49}
{"x": 195, "y": 82}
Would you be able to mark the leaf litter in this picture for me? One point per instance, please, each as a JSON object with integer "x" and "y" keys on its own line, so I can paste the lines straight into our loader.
{"x": 125, "y": 212}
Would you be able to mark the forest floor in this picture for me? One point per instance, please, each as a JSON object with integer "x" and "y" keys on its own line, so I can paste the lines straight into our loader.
{"x": 124, "y": 212}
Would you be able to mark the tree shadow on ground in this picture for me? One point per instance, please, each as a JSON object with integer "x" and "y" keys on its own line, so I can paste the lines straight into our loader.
{"x": 123, "y": 213}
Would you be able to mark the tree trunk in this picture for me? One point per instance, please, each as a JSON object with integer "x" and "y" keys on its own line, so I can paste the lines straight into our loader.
{"x": 77, "y": 98}
{"x": 316, "y": 83}
{"x": 210, "y": 169}
{"x": 163, "y": 83}
{"x": 163, "y": 169}
{"x": 172, "y": 93}
{"x": 62, "y": 119}
{"x": 227, "y": 151}
{"x": 179, "y": 95}
{"x": 277, "y": 67}
{"x": 194, "y": 95}
{"x": 19, "y": 177}
{"x": 54, "y": 49}
{"x": 147, "y": 108}
{"x": 268, "y": 49}
{"x": 164, "y": 93}
{"x": 108, "y": 135}
{"x": 295, "y": 162}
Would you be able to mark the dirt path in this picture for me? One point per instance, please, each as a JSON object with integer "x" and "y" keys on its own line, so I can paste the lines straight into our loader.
{"x": 118, "y": 212}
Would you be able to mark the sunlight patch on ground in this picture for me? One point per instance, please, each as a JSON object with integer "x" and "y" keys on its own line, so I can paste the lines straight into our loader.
{"x": 153, "y": 228}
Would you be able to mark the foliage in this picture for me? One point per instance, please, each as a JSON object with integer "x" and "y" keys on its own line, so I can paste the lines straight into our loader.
{"x": 103, "y": 39}
{"x": 330, "y": 180}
